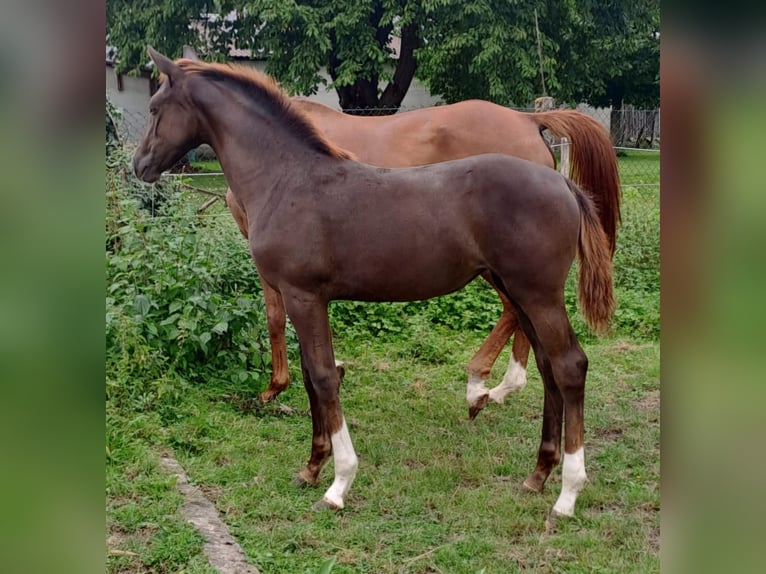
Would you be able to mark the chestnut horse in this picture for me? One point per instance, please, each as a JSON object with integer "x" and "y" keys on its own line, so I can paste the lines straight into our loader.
{"x": 442, "y": 133}
{"x": 324, "y": 227}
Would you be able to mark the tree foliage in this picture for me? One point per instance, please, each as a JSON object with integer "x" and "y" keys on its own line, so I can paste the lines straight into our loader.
{"x": 597, "y": 51}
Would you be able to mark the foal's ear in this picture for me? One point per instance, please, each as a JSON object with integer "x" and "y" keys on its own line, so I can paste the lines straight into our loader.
{"x": 190, "y": 54}
{"x": 165, "y": 64}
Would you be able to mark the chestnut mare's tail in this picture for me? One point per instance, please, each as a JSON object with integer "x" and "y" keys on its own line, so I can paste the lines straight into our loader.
{"x": 595, "y": 291}
{"x": 593, "y": 162}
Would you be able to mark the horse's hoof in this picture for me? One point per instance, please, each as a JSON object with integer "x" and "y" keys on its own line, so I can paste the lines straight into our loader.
{"x": 302, "y": 482}
{"x": 532, "y": 484}
{"x": 477, "y": 407}
{"x": 267, "y": 396}
{"x": 325, "y": 504}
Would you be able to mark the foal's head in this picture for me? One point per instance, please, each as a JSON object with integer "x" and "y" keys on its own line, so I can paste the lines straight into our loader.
{"x": 174, "y": 127}
{"x": 177, "y": 124}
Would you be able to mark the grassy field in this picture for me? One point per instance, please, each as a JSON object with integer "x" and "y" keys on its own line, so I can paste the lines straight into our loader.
{"x": 434, "y": 492}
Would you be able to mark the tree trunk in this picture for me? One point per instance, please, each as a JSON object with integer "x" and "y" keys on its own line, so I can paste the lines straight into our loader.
{"x": 362, "y": 96}
{"x": 394, "y": 93}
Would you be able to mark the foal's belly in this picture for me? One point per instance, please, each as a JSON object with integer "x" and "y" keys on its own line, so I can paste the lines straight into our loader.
{"x": 404, "y": 285}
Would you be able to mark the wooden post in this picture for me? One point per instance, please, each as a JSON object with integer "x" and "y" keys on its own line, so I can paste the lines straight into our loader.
{"x": 544, "y": 103}
{"x": 564, "y": 168}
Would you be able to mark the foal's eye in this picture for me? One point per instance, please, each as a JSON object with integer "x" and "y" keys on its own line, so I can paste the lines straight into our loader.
{"x": 153, "y": 111}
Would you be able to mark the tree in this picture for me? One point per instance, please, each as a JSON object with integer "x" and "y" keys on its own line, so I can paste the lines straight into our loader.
{"x": 484, "y": 49}
{"x": 619, "y": 42}
{"x": 351, "y": 39}
{"x": 601, "y": 52}
{"x": 132, "y": 24}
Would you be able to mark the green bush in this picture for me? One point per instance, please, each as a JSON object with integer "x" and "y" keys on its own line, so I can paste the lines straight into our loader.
{"x": 181, "y": 293}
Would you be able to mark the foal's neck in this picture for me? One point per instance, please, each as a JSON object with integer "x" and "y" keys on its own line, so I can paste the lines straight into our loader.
{"x": 256, "y": 150}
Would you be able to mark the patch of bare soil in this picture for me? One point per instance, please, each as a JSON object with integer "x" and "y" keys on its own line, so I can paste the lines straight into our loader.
{"x": 650, "y": 402}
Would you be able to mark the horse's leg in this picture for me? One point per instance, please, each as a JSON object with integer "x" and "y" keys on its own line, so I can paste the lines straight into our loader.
{"x": 275, "y": 316}
{"x": 515, "y": 377}
{"x": 477, "y": 393}
{"x": 549, "y": 453}
{"x": 563, "y": 366}
{"x": 276, "y": 319}
{"x": 322, "y": 380}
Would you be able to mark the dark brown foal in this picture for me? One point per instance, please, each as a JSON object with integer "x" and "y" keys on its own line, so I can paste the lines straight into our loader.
{"x": 374, "y": 234}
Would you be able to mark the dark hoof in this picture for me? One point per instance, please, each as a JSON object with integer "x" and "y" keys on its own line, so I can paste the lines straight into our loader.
{"x": 325, "y": 504}
{"x": 474, "y": 410}
{"x": 533, "y": 484}
{"x": 302, "y": 482}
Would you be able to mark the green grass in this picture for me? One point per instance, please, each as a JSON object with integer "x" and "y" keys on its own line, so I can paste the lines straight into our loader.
{"x": 434, "y": 492}
{"x": 639, "y": 167}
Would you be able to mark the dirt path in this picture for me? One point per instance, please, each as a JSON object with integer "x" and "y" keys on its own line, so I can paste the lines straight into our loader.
{"x": 221, "y": 549}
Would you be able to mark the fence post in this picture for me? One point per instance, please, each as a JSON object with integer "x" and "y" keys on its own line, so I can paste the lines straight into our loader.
{"x": 564, "y": 168}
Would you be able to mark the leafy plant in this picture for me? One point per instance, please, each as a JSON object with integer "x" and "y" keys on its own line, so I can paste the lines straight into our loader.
{"x": 182, "y": 295}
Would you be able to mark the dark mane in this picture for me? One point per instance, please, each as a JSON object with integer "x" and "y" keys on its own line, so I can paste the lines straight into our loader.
{"x": 265, "y": 90}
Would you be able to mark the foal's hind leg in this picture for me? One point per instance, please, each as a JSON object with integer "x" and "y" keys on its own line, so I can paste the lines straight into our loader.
{"x": 563, "y": 366}
{"x": 549, "y": 453}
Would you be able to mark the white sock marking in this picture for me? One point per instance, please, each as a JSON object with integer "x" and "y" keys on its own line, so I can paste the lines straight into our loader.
{"x": 346, "y": 464}
{"x": 475, "y": 390}
{"x": 573, "y": 479}
{"x": 514, "y": 380}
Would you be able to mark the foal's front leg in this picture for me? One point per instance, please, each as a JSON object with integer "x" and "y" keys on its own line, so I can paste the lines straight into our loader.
{"x": 322, "y": 381}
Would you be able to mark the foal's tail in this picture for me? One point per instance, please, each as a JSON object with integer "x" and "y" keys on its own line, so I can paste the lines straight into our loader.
{"x": 594, "y": 164}
{"x": 595, "y": 291}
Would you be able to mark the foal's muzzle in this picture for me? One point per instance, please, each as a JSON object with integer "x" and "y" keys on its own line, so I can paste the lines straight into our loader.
{"x": 142, "y": 167}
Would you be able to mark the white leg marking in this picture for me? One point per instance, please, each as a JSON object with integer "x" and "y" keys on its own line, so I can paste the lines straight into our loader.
{"x": 475, "y": 390}
{"x": 346, "y": 464}
{"x": 514, "y": 380}
{"x": 573, "y": 479}
{"x": 339, "y": 363}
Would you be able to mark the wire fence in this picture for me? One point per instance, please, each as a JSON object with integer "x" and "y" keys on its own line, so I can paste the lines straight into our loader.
{"x": 628, "y": 127}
